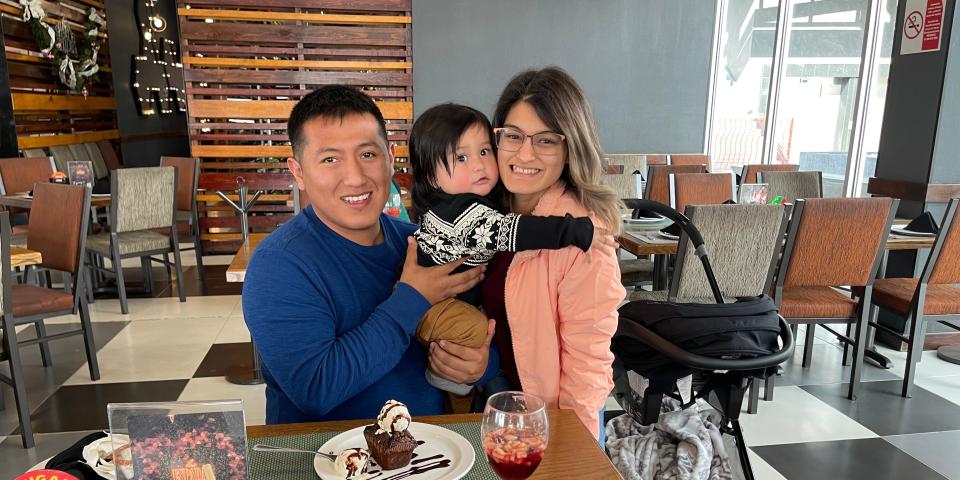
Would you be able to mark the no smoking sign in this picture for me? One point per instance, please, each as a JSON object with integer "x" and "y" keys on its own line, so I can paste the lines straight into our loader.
{"x": 921, "y": 26}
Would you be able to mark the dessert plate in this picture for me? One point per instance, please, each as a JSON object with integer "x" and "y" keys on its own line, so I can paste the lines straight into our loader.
{"x": 910, "y": 233}
{"x": 441, "y": 455}
{"x": 642, "y": 220}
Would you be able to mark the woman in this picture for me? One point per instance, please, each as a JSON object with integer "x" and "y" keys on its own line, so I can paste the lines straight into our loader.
{"x": 555, "y": 310}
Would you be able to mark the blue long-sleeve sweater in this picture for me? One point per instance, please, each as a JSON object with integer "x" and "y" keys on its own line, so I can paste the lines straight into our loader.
{"x": 334, "y": 327}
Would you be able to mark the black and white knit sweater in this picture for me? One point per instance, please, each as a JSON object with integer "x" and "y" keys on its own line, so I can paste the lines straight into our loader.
{"x": 469, "y": 225}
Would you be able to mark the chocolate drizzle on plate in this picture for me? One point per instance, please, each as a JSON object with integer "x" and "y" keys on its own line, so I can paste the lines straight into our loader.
{"x": 416, "y": 467}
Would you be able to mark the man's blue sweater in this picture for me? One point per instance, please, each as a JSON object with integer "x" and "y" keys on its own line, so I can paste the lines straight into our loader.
{"x": 333, "y": 326}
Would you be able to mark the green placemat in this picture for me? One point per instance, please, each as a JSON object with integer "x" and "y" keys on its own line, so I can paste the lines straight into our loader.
{"x": 272, "y": 466}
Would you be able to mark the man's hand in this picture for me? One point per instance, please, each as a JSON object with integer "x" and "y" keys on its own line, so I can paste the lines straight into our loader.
{"x": 436, "y": 283}
{"x": 461, "y": 364}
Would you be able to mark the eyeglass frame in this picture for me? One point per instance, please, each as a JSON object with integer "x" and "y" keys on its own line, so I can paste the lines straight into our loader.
{"x": 496, "y": 136}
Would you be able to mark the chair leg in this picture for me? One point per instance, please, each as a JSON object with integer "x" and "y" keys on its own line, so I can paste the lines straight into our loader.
{"x": 19, "y": 386}
{"x": 121, "y": 288}
{"x": 45, "y": 356}
{"x": 808, "y": 345}
{"x": 198, "y": 250}
{"x": 166, "y": 265}
{"x": 147, "y": 269}
{"x": 917, "y": 328}
{"x": 847, "y": 360}
{"x": 753, "y": 403}
{"x": 89, "y": 285}
{"x": 860, "y": 344}
{"x": 768, "y": 388}
{"x": 88, "y": 341}
{"x": 179, "y": 267}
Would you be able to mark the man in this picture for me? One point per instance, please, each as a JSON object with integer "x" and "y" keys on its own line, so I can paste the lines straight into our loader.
{"x": 324, "y": 296}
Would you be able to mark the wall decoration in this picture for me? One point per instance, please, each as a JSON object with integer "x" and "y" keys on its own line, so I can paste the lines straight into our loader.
{"x": 74, "y": 59}
{"x": 157, "y": 74}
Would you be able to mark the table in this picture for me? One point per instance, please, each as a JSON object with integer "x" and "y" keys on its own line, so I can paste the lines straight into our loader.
{"x": 22, "y": 201}
{"x": 571, "y": 451}
{"x": 22, "y": 257}
{"x": 237, "y": 270}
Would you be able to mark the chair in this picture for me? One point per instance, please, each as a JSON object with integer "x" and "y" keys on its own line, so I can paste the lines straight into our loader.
{"x": 109, "y": 155}
{"x": 793, "y": 185}
{"x": 656, "y": 159}
{"x": 58, "y": 223}
{"x": 89, "y": 152}
{"x": 744, "y": 243}
{"x": 632, "y": 162}
{"x": 689, "y": 159}
{"x": 934, "y": 294}
{"x": 61, "y": 155}
{"x": 143, "y": 200}
{"x": 626, "y": 185}
{"x": 750, "y": 172}
{"x": 19, "y": 174}
{"x": 832, "y": 242}
{"x": 658, "y": 180}
{"x": 300, "y": 199}
{"x": 188, "y": 178}
{"x": 700, "y": 189}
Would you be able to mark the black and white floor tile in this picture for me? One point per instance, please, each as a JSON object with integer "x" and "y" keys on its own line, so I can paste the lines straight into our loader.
{"x": 167, "y": 350}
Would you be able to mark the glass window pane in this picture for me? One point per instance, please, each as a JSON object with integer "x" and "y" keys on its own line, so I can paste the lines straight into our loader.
{"x": 819, "y": 88}
{"x": 874, "y": 118}
{"x": 742, "y": 82}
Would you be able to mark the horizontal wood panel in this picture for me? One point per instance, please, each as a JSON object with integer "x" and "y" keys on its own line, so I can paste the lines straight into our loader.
{"x": 315, "y": 64}
{"x": 250, "y": 50}
{"x": 260, "y": 15}
{"x": 66, "y": 139}
{"x": 255, "y": 181}
{"x": 242, "y": 165}
{"x": 350, "y": 5}
{"x": 391, "y": 126}
{"x": 286, "y": 77}
{"x": 271, "y": 197}
{"x": 285, "y": 92}
{"x": 40, "y": 101}
{"x": 254, "y": 221}
{"x": 279, "y": 109}
{"x": 260, "y": 151}
{"x": 323, "y": 35}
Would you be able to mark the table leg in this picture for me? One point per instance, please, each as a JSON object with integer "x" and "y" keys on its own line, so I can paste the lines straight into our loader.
{"x": 871, "y": 352}
{"x": 659, "y": 272}
{"x": 243, "y": 376}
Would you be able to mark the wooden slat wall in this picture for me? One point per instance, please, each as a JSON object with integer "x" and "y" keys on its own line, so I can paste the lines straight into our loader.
{"x": 46, "y": 113}
{"x": 247, "y": 63}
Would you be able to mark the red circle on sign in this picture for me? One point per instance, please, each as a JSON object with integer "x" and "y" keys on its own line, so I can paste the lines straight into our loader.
{"x": 46, "y": 475}
{"x": 913, "y": 25}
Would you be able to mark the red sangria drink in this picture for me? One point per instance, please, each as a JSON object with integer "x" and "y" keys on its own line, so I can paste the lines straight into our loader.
{"x": 515, "y": 432}
{"x": 514, "y": 454}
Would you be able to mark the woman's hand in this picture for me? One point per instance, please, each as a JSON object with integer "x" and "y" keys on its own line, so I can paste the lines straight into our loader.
{"x": 461, "y": 364}
{"x": 603, "y": 239}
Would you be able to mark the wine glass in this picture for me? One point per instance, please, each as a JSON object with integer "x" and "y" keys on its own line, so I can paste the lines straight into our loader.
{"x": 515, "y": 430}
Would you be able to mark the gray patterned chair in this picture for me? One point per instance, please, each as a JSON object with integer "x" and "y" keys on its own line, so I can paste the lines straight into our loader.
{"x": 793, "y": 185}
{"x": 626, "y": 185}
{"x": 744, "y": 244}
{"x": 143, "y": 202}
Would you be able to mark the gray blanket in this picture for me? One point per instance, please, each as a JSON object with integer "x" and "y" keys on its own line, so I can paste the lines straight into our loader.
{"x": 682, "y": 445}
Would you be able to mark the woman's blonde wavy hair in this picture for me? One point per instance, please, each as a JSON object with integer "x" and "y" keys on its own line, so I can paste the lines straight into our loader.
{"x": 562, "y": 105}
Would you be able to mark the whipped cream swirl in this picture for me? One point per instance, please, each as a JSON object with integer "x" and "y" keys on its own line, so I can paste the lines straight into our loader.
{"x": 393, "y": 417}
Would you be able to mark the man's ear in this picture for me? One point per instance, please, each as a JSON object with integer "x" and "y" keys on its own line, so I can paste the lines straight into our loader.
{"x": 297, "y": 171}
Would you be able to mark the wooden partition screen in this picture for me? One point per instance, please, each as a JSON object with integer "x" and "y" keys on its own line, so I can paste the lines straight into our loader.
{"x": 45, "y": 112}
{"x": 247, "y": 63}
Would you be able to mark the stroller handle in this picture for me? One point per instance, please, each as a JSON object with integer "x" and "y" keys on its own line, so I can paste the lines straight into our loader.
{"x": 688, "y": 228}
{"x": 693, "y": 360}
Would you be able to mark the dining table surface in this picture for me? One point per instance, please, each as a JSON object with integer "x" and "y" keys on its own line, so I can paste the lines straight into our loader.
{"x": 237, "y": 271}
{"x": 22, "y": 200}
{"x": 572, "y": 452}
{"x": 23, "y": 257}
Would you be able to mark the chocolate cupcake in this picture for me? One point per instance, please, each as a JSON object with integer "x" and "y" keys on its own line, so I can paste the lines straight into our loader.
{"x": 389, "y": 441}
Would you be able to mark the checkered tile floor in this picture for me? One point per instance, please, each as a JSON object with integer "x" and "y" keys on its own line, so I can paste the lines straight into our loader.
{"x": 167, "y": 350}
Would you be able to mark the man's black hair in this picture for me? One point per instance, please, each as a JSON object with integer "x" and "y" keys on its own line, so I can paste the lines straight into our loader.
{"x": 331, "y": 101}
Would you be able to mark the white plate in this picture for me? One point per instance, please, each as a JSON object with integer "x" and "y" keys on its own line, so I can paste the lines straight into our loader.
{"x": 100, "y": 195}
{"x": 641, "y": 221}
{"x": 910, "y": 233}
{"x": 436, "y": 441}
{"x": 668, "y": 236}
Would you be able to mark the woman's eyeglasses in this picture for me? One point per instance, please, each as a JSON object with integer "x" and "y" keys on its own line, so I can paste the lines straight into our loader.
{"x": 544, "y": 143}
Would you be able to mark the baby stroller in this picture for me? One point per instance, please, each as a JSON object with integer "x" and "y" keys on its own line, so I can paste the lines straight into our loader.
{"x": 723, "y": 346}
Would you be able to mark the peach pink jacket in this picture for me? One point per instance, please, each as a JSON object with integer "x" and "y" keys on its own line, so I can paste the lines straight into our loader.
{"x": 562, "y": 310}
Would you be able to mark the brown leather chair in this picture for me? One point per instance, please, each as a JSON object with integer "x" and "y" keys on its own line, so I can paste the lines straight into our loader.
{"x": 934, "y": 294}
{"x": 750, "y": 172}
{"x": 690, "y": 159}
{"x": 109, "y": 155}
{"x": 700, "y": 189}
{"x": 832, "y": 242}
{"x": 658, "y": 180}
{"x": 188, "y": 179}
{"x": 58, "y": 224}
{"x": 656, "y": 159}
{"x": 19, "y": 174}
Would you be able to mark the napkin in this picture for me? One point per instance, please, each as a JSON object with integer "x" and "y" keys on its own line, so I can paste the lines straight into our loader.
{"x": 923, "y": 224}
